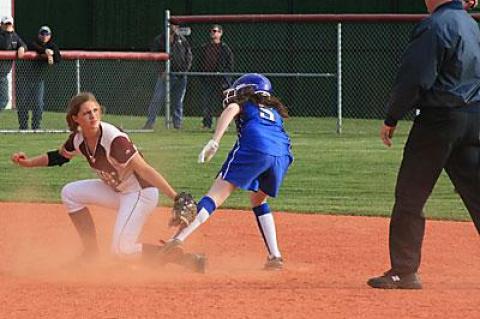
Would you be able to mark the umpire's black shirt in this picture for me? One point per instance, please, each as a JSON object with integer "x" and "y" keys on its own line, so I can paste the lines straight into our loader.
{"x": 440, "y": 66}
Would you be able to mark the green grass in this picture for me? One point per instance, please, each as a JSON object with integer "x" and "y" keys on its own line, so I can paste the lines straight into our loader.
{"x": 351, "y": 173}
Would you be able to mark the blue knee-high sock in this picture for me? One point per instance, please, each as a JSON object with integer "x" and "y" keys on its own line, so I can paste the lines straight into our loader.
{"x": 205, "y": 207}
{"x": 207, "y": 204}
{"x": 266, "y": 224}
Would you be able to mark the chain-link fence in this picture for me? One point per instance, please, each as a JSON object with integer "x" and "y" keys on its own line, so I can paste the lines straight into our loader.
{"x": 122, "y": 82}
{"x": 303, "y": 70}
{"x": 320, "y": 68}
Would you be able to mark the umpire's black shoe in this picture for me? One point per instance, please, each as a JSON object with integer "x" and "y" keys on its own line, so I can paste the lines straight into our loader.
{"x": 391, "y": 280}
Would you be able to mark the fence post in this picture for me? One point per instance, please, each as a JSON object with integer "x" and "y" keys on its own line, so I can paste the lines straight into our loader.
{"x": 167, "y": 69}
{"x": 77, "y": 69}
{"x": 339, "y": 78}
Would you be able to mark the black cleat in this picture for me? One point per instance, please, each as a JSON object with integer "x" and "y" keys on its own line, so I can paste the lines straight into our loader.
{"x": 274, "y": 263}
{"x": 171, "y": 245}
{"x": 171, "y": 251}
{"x": 391, "y": 280}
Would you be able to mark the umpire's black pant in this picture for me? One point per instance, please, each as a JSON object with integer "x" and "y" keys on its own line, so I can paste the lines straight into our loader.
{"x": 440, "y": 138}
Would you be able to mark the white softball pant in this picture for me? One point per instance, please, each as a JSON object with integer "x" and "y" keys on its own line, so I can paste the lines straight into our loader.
{"x": 133, "y": 210}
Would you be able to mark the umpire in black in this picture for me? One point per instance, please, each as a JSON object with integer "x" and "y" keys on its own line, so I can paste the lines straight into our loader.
{"x": 440, "y": 75}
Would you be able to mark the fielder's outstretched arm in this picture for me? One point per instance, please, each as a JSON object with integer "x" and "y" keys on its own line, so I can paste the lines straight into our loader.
{"x": 51, "y": 158}
{"x": 23, "y": 160}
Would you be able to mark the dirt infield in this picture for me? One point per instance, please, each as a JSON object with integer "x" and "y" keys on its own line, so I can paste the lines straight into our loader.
{"x": 328, "y": 260}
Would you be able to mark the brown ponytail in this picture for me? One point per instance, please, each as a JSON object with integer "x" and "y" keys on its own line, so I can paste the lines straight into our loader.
{"x": 248, "y": 94}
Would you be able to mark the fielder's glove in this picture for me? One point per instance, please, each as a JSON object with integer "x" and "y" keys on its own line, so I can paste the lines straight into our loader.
{"x": 184, "y": 210}
{"x": 208, "y": 151}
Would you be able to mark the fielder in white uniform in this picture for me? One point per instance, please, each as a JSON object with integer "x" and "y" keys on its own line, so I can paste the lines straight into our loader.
{"x": 127, "y": 183}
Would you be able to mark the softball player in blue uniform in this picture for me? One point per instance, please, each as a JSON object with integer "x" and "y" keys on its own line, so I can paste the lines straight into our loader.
{"x": 258, "y": 161}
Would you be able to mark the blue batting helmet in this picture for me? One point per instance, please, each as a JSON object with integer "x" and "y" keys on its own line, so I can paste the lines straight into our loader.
{"x": 260, "y": 83}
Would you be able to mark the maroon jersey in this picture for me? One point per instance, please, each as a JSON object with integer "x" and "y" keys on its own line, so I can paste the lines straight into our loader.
{"x": 109, "y": 159}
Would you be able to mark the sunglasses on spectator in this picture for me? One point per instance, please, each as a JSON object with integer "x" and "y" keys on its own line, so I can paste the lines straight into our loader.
{"x": 44, "y": 33}
{"x": 215, "y": 31}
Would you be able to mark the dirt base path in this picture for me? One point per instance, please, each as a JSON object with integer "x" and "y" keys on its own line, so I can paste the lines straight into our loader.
{"x": 328, "y": 260}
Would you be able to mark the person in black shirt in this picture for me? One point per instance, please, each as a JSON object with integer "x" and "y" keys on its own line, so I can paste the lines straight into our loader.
{"x": 440, "y": 75}
{"x": 9, "y": 40}
{"x": 215, "y": 56}
{"x": 31, "y": 79}
{"x": 181, "y": 61}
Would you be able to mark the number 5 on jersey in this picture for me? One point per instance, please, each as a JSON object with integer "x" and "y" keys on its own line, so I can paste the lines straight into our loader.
{"x": 267, "y": 114}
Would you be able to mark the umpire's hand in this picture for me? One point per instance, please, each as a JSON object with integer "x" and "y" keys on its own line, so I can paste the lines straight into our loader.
{"x": 386, "y": 134}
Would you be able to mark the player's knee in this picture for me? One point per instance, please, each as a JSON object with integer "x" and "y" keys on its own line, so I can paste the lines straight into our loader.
{"x": 66, "y": 193}
{"x": 257, "y": 198}
{"x": 68, "y": 199}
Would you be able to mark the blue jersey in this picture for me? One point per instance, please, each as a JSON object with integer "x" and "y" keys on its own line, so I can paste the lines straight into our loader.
{"x": 260, "y": 129}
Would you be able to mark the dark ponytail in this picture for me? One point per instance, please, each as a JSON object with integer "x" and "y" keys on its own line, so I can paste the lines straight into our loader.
{"x": 248, "y": 94}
